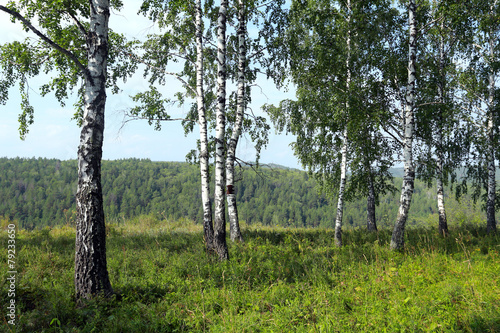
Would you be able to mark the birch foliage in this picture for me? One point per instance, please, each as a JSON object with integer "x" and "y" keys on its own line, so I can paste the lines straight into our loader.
{"x": 440, "y": 133}
{"x": 60, "y": 55}
{"x": 480, "y": 99}
{"x": 76, "y": 50}
{"x": 340, "y": 94}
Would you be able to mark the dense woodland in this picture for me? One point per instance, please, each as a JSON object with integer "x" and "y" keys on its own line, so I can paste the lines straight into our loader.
{"x": 41, "y": 192}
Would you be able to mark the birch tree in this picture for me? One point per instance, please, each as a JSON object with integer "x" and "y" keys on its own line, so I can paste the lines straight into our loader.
{"x": 73, "y": 47}
{"x": 439, "y": 121}
{"x": 334, "y": 72}
{"x": 397, "y": 240}
{"x": 177, "y": 43}
{"x": 202, "y": 122}
{"x": 220, "y": 142}
{"x": 250, "y": 55}
{"x": 182, "y": 41}
{"x": 480, "y": 99}
{"x": 235, "y": 232}
{"x": 343, "y": 163}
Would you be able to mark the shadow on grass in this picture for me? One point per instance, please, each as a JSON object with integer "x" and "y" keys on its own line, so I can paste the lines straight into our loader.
{"x": 417, "y": 240}
{"x": 177, "y": 242}
{"x": 267, "y": 256}
{"x": 145, "y": 294}
{"x": 481, "y": 325}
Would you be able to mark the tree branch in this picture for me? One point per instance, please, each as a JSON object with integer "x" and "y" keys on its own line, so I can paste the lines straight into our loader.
{"x": 477, "y": 96}
{"x": 264, "y": 4}
{"x": 252, "y": 166}
{"x": 209, "y": 42}
{"x": 133, "y": 117}
{"x": 389, "y": 133}
{"x": 46, "y": 39}
{"x": 423, "y": 30}
{"x": 177, "y": 76}
{"x": 257, "y": 52}
{"x": 35, "y": 64}
{"x": 155, "y": 119}
{"x": 429, "y": 103}
{"x": 178, "y": 55}
{"x": 78, "y": 24}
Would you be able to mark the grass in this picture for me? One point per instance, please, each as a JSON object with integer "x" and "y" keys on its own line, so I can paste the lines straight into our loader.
{"x": 279, "y": 280}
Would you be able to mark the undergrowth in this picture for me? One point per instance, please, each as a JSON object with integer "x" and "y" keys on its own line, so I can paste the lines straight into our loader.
{"x": 278, "y": 280}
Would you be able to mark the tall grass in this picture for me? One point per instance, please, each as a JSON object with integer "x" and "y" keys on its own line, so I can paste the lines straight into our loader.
{"x": 279, "y": 280}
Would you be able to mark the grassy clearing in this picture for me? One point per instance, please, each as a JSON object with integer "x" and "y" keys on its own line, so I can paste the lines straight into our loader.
{"x": 279, "y": 280}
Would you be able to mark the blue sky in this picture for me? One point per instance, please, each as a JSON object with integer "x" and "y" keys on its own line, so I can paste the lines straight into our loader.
{"x": 55, "y": 135}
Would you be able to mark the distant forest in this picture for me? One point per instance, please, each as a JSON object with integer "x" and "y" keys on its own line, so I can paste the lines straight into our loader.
{"x": 41, "y": 192}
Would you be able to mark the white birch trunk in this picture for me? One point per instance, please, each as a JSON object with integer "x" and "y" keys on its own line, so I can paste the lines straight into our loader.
{"x": 397, "y": 240}
{"x": 234, "y": 226}
{"x": 208, "y": 229}
{"x": 371, "y": 223}
{"x": 220, "y": 177}
{"x": 91, "y": 274}
{"x": 340, "y": 202}
{"x": 490, "y": 155}
{"x": 343, "y": 164}
{"x": 443, "y": 223}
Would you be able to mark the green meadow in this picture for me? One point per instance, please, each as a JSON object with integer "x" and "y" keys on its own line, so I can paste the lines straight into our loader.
{"x": 278, "y": 280}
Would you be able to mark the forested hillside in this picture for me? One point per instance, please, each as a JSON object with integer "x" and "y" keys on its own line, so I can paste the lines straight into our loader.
{"x": 41, "y": 192}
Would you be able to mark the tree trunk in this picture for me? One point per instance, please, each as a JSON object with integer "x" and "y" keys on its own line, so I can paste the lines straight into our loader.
{"x": 371, "y": 223}
{"x": 343, "y": 164}
{"x": 443, "y": 223}
{"x": 220, "y": 177}
{"x": 91, "y": 274}
{"x": 234, "y": 225}
{"x": 490, "y": 203}
{"x": 397, "y": 240}
{"x": 491, "y": 225}
{"x": 340, "y": 202}
{"x": 208, "y": 229}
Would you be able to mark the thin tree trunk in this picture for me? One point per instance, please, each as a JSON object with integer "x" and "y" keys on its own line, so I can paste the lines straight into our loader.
{"x": 397, "y": 240}
{"x": 91, "y": 274}
{"x": 208, "y": 229}
{"x": 443, "y": 224}
{"x": 220, "y": 177}
{"x": 491, "y": 225}
{"x": 234, "y": 225}
{"x": 371, "y": 223}
{"x": 340, "y": 202}
{"x": 343, "y": 164}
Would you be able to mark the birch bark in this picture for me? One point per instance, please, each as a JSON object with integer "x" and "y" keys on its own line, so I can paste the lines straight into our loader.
{"x": 371, "y": 223}
{"x": 490, "y": 155}
{"x": 343, "y": 164}
{"x": 340, "y": 201}
{"x": 220, "y": 149}
{"x": 208, "y": 229}
{"x": 397, "y": 240}
{"x": 234, "y": 225}
{"x": 443, "y": 224}
{"x": 91, "y": 275}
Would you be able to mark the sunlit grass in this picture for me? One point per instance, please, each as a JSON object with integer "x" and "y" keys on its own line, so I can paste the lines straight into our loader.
{"x": 278, "y": 280}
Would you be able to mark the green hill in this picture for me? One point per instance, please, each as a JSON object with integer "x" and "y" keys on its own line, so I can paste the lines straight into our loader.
{"x": 41, "y": 192}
